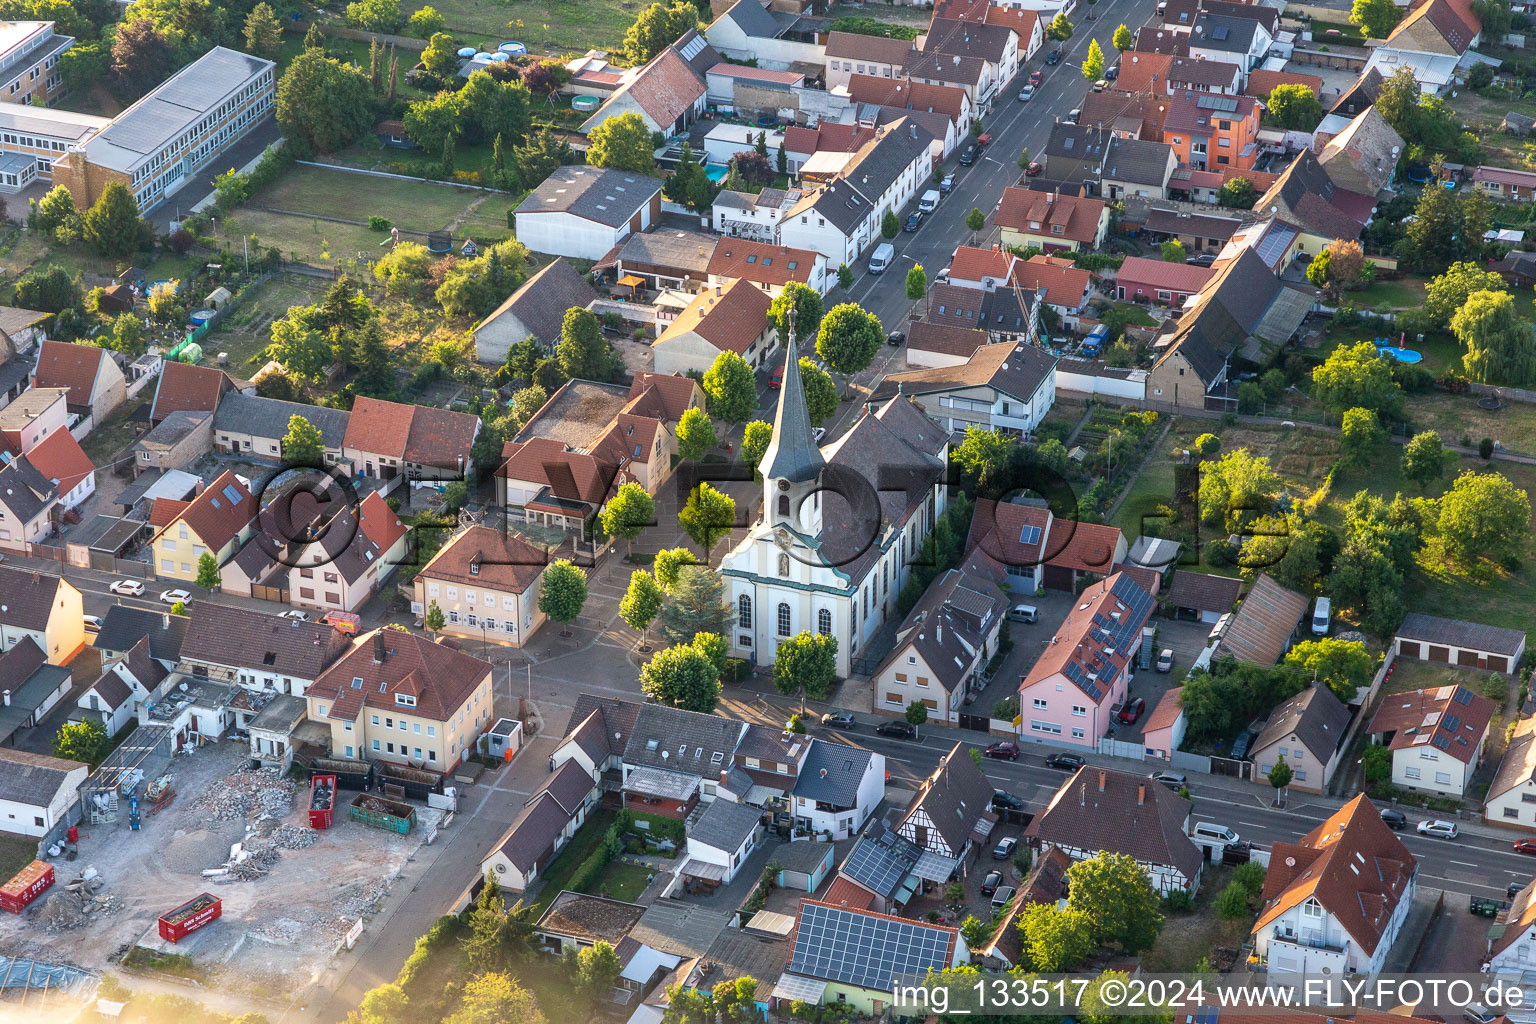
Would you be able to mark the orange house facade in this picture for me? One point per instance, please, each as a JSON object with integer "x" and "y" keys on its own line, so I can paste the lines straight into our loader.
{"x": 1210, "y": 132}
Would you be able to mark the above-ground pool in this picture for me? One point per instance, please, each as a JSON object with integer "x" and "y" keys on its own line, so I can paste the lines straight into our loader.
{"x": 585, "y": 103}
{"x": 1402, "y": 355}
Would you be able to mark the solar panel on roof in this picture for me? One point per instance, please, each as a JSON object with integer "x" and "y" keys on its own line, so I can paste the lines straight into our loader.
{"x": 1441, "y": 742}
{"x": 1226, "y": 103}
{"x": 1219, "y": 33}
{"x": 1451, "y": 722}
{"x": 232, "y": 494}
{"x": 1462, "y": 696}
{"x": 693, "y": 48}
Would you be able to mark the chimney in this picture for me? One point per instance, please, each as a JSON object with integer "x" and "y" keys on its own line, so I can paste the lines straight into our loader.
{"x": 378, "y": 648}
{"x": 165, "y": 620}
{"x": 939, "y": 632}
{"x": 1082, "y": 795}
{"x": 7, "y": 698}
{"x": 1141, "y": 795}
{"x": 1103, "y": 778}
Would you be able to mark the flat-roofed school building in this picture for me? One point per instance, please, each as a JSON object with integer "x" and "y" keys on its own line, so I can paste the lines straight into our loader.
{"x": 158, "y": 144}
{"x": 32, "y": 138}
{"x": 29, "y": 60}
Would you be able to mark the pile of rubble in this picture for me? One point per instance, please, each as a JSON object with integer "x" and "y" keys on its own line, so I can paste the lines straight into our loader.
{"x": 254, "y": 856}
{"x": 262, "y": 792}
{"x": 1350, "y": 636}
{"x": 78, "y": 902}
{"x": 359, "y": 899}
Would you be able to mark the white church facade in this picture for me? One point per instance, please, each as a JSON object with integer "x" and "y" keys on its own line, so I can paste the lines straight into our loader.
{"x": 840, "y": 526}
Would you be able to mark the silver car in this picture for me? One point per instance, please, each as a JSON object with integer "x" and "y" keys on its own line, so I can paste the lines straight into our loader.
{"x": 1439, "y": 829}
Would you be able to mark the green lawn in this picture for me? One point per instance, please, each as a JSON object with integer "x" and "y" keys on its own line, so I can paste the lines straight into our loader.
{"x": 245, "y": 333}
{"x": 621, "y": 881}
{"x": 554, "y": 26}
{"x": 15, "y": 854}
{"x": 581, "y": 846}
{"x": 1406, "y": 293}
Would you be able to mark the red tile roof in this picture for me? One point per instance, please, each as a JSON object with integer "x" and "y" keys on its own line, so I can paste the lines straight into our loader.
{"x": 1139, "y": 70}
{"x": 996, "y": 528}
{"x": 164, "y": 511}
{"x": 1504, "y": 176}
{"x": 378, "y": 522}
{"x": 974, "y": 264}
{"x": 218, "y": 514}
{"x": 505, "y": 561}
{"x": 666, "y": 88}
{"x": 1081, "y": 641}
{"x": 729, "y": 318}
{"x": 845, "y": 892}
{"x": 925, "y": 336}
{"x": 1352, "y": 864}
{"x": 415, "y": 433}
{"x": 879, "y": 49}
{"x": 1178, "y": 277}
{"x": 894, "y": 92}
{"x": 674, "y": 392}
{"x": 60, "y": 457}
{"x": 439, "y": 678}
{"x": 1167, "y": 711}
{"x": 1042, "y": 212}
{"x": 184, "y": 386}
{"x": 1065, "y": 285}
{"x": 1021, "y": 21}
{"x": 568, "y": 474}
{"x": 1186, "y": 115}
{"x": 63, "y": 365}
{"x": 1261, "y": 83}
{"x": 761, "y": 262}
{"x": 1452, "y": 719}
{"x": 745, "y": 73}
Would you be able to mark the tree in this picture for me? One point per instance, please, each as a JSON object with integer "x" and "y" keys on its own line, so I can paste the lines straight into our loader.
{"x": 440, "y": 56}
{"x": 1361, "y": 436}
{"x": 495, "y": 999}
{"x": 1113, "y": 892}
{"x": 628, "y": 513}
{"x": 975, "y": 931}
{"x": 1236, "y": 193}
{"x": 1344, "y": 666}
{"x": 482, "y": 946}
{"x": 985, "y": 455}
{"x": 303, "y": 444}
{"x": 56, "y": 208}
{"x": 314, "y": 39}
{"x": 1424, "y": 458}
{"x": 263, "y": 32}
{"x": 695, "y": 435}
{"x": 682, "y": 676}
{"x": 323, "y": 104}
{"x": 641, "y": 603}
{"x": 658, "y": 26}
{"x": 1354, "y": 376}
{"x": 81, "y": 741}
{"x": 669, "y": 563}
{"x": 1484, "y": 515}
{"x": 1055, "y": 940}
{"x": 732, "y": 388}
{"x": 598, "y": 967}
{"x": 1377, "y": 764}
{"x": 541, "y": 154}
{"x": 526, "y": 402}
{"x": 383, "y": 1004}
{"x": 1124, "y": 39}
{"x": 755, "y": 439}
{"x": 1447, "y": 226}
{"x": 1173, "y": 251}
{"x": 128, "y": 335}
{"x": 622, "y": 143}
{"x": 976, "y": 220}
{"x": 1346, "y": 263}
{"x": 1060, "y": 28}
{"x": 448, "y": 157}
{"x": 806, "y": 664}
{"x": 1294, "y": 106}
{"x": 916, "y": 714}
{"x": 1093, "y": 64}
{"x": 1207, "y": 444}
{"x": 375, "y": 365}
{"x": 844, "y": 276}
{"x": 1236, "y": 488}
{"x": 582, "y": 350}
{"x": 1232, "y": 902}
{"x": 563, "y": 591}
{"x": 917, "y": 282}
{"x": 695, "y": 604}
{"x": 707, "y": 517}
{"x": 435, "y": 620}
{"x": 808, "y": 307}
{"x": 298, "y": 347}
{"x": 1023, "y": 160}
{"x": 113, "y": 226}
{"x": 1279, "y": 777}
{"x": 849, "y": 338}
{"x": 1376, "y": 18}
{"x": 1499, "y": 343}
{"x": 426, "y": 23}
{"x": 820, "y": 390}
{"x": 375, "y": 15}
{"x": 141, "y": 58}
{"x": 1448, "y": 292}
{"x": 890, "y": 226}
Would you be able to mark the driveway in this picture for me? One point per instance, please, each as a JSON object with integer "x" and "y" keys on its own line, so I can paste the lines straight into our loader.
{"x": 1186, "y": 640}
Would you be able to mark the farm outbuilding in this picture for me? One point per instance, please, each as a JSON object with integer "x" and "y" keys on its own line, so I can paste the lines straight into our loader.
{"x": 1457, "y": 642}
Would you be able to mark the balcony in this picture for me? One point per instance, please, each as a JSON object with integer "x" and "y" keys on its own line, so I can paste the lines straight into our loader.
{"x": 1311, "y": 941}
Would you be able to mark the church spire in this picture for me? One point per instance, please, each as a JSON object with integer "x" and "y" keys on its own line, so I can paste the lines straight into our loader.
{"x": 792, "y": 454}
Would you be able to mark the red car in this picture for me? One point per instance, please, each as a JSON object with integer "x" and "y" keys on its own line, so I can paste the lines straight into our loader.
{"x": 1525, "y": 845}
{"x": 1036, "y": 77}
{"x": 1003, "y": 751}
{"x": 776, "y": 379}
{"x": 1034, "y": 168}
{"x": 1132, "y": 711}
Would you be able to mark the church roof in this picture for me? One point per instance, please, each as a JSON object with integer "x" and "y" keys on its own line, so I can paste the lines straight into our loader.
{"x": 792, "y": 454}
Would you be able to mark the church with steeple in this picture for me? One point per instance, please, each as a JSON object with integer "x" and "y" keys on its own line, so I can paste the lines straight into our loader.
{"x": 840, "y": 526}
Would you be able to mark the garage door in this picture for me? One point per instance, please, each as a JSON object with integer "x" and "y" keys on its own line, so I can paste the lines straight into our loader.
{"x": 1498, "y": 663}
{"x": 1059, "y": 578}
{"x": 1466, "y": 657}
{"x": 1437, "y": 653}
{"x": 1412, "y": 649}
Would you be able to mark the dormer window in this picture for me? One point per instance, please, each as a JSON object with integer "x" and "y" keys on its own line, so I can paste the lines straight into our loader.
{"x": 405, "y": 700}
{"x": 474, "y": 568}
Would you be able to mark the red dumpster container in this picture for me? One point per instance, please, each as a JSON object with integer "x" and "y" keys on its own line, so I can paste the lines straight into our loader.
{"x": 190, "y": 916}
{"x": 30, "y": 883}
{"x": 322, "y": 800}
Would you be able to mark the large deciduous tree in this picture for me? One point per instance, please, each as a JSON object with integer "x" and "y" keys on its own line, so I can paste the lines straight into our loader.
{"x": 113, "y": 225}
{"x": 682, "y": 676}
{"x": 1501, "y": 349}
{"x": 809, "y": 309}
{"x": 849, "y": 338}
{"x": 563, "y": 591}
{"x": 806, "y": 665}
{"x": 141, "y": 58}
{"x": 820, "y": 390}
{"x": 628, "y": 513}
{"x": 1115, "y": 894}
{"x": 1448, "y": 292}
{"x": 323, "y": 104}
{"x": 1355, "y": 376}
{"x": 732, "y": 388}
{"x": 707, "y": 517}
{"x": 1484, "y": 515}
{"x": 622, "y": 143}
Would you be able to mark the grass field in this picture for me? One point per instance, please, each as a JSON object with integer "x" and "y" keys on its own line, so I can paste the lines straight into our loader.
{"x": 414, "y": 206}
{"x": 15, "y": 854}
{"x": 1406, "y": 293}
{"x": 621, "y": 881}
{"x": 573, "y": 26}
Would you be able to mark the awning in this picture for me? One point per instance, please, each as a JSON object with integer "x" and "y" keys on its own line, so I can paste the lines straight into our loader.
{"x": 793, "y": 986}
{"x": 632, "y": 281}
{"x": 934, "y": 867}
{"x": 772, "y": 923}
{"x": 660, "y": 783}
{"x": 705, "y": 870}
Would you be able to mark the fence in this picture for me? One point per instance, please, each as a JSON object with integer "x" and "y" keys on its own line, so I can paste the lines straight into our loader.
{"x": 1122, "y": 748}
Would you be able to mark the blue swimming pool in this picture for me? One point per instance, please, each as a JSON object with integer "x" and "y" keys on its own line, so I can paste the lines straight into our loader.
{"x": 714, "y": 172}
{"x": 1402, "y": 355}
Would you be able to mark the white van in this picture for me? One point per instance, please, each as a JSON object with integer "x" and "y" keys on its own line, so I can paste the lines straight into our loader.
{"x": 930, "y": 201}
{"x": 884, "y": 253}
{"x": 1024, "y": 613}
{"x": 1321, "y": 616}
{"x": 1206, "y": 832}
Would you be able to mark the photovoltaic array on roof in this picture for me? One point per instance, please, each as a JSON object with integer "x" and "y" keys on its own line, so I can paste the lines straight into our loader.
{"x": 694, "y": 47}
{"x": 1462, "y": 696}
{"x": 880, "y": 863}
{"x": 1223, "y": 103}
{"x": 864, "y": 950}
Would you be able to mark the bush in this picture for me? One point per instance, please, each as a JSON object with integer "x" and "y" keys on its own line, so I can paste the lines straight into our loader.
{"x": 437, "y": 935}
{"x": 378, "y": 223}
{"x": 1485, "y": 448}
{"x": 1178, "y": 902}
{"x": 736, "y": 670}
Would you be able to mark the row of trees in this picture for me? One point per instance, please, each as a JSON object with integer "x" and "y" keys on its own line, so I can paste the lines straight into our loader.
{"x": 111, "y": 226}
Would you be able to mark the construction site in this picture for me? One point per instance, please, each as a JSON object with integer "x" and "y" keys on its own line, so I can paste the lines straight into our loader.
{"x": 204, "y": 865}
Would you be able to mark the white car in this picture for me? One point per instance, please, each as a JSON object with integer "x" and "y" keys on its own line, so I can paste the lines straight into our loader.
{"x": 296, "y": 615}
{"x": 173, "y": 596}
{"x": 133, "y": 588}
{"x": 1026, "y": 94}
{"x": 818, "y": 433}
{"x": 93, "y": 623}
{"x": 1439, "y": 829}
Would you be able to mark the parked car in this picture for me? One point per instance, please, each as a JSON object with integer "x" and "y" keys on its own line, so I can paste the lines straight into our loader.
{"x": 1101, "y": 85}
{"x": 1173, "y": 780}
{"x": 1205, "y": 259}
{"x": 1005, "y": 801}
{"x": 1513, "y": 889}
{"x": 1003, "y": 751}
{"x": 1395, "y": 820}
{"x": 947, "y": 183}
{"x": 902, "y": 730}
{"x": 1132, "y": 711}
{"x": 1034, "y": 168}
{"x": 133, "y": 588}
{"x": 914, "y": 221}
{"x": 173, "y": 596}
{"x": 991, "y": 882}
{"x": 1002, "y": 897}
{"x": 1036, "y": 77}
{"x": 942, "y": 277}
{"x": 92, "y": 623}
{"x": 1065, "y": 762}
{"x": 1477, "y": 1013}
{"x": 1525, "y": 845}
{"x": 1439, "y": 828}
{"x": 895, "y": 339}
{"x": 984, "y": 140}
{"x": 1112, "y": 72}
{"x": 1237, "y": 853}
{"x": 1004, "y": 849}
{"x": 1165, "y": 660}
{"x": 776, "y": 378}
{"x": 1054, "y": 57}
{"x": 296, "y": 615}
{"x": 968, "y": 157}
{"x": 1026, "y": 94}
{"x": 817, "y": 433}
{"x": 838, "y": 719}
{"x": 1242, "y": 743}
